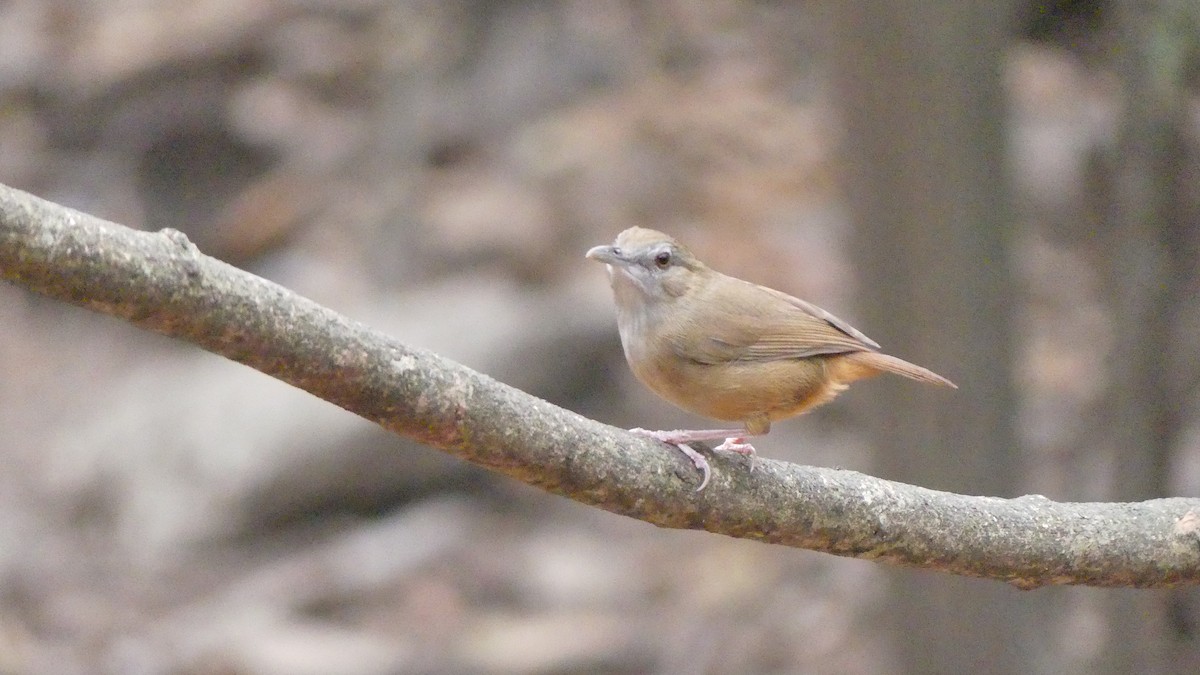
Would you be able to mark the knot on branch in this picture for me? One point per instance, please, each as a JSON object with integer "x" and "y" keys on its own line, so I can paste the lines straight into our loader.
{"x": 1187, "y": 529}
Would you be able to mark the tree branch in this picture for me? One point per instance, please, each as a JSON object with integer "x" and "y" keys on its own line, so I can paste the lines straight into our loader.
{"x": 161, "y": 282}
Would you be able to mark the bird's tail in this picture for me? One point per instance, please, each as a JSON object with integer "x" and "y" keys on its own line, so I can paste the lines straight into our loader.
{"x": 866, "y": 364}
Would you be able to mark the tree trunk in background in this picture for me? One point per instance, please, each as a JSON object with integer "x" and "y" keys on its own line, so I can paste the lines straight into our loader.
{"x": 922, "y": 103}
{"x": 1152, "y": 243}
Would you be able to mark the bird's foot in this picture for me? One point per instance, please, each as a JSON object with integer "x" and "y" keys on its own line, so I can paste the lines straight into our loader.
{"x": 738, "y": 445}
{"x": 741, "y": 447}
{"x": 735, "y": 441}
{"x": 679, "y": 440}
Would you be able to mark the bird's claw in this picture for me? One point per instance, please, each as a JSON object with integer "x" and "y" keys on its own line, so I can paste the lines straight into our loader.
{"x": 741, "y": 447}
{"x": 699, "y": 460}
{"x": 669, "y": 438}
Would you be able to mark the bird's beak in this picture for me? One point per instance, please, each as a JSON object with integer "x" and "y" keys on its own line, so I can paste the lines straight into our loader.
{"x": 606, "y": 254}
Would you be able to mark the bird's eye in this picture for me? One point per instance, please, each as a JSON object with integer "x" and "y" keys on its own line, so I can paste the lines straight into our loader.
{"x": 663, "y": 260}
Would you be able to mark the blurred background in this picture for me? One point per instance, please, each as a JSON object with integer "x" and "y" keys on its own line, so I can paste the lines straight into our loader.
{"x": 1006, "y": 192}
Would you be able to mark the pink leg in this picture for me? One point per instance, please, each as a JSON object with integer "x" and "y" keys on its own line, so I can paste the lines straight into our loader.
{"x": 731, "y": 436}
{"x": 735, "y": 441}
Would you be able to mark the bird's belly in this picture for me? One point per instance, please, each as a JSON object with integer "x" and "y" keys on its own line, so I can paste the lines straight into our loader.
{"x": 738, "y": 391}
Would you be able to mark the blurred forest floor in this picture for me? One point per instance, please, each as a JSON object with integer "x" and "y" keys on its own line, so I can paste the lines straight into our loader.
{"x": 437, "y": 170}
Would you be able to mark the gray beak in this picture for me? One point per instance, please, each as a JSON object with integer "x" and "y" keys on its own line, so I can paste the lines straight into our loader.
{"x": 606, "y": 254}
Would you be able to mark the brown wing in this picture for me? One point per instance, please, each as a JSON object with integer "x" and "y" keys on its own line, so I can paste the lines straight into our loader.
{"x": 817, "y": 312}
{"x": 760, "y": 324}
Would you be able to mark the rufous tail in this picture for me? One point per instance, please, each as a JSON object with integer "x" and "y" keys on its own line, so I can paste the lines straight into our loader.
{"x": 866, "y": 364}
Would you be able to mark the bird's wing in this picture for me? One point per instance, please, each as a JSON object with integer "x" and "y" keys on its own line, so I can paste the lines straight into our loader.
{"x": 816, "y": 312}
{"x": 776, "y": 327}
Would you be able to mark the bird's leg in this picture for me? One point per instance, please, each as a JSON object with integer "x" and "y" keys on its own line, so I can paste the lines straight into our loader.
{"x": 680, "y": 439}
{"x": 689, "y": 435}
{"x": 734, "y": 441}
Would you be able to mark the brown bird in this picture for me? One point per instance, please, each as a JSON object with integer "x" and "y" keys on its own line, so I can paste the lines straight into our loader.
{"x": 729, "y": 349}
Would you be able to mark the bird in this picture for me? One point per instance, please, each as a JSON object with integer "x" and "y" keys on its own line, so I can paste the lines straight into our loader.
{"x": 729, "y": 349}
